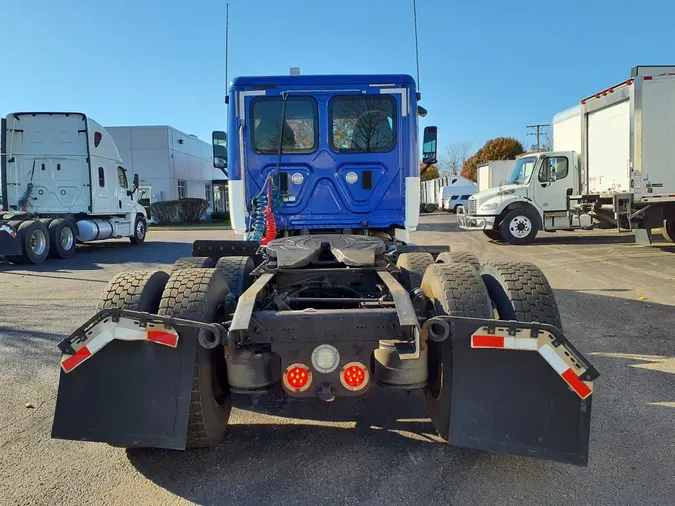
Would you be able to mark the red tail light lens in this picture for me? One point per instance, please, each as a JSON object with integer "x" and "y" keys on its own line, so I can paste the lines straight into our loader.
{"x": 297, "y": 377}
{"x": 354, "y": 376}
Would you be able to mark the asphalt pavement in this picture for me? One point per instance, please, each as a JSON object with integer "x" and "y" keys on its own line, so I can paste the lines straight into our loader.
{"x": 617, "y": 303}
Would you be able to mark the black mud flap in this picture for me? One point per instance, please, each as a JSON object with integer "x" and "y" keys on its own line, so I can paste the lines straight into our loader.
{"x": 130, "y": 393}
{"x": 514, "y": 401}
{"x": 9, "y": 241}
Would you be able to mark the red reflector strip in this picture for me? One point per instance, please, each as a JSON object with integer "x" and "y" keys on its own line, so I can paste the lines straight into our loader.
{"x": 566, "y": 372}
{"x": 73, "y": 361}
{"x": 487, "y": 341}
{"x": 165, "y": 338}
{"x": 577, "y": 385}
{"x": 503, "y": 342}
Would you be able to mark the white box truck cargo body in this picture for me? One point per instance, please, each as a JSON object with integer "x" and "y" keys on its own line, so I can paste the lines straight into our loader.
{"x": 494, "y": 173}
{"x": 627, "y": 139}
{"x": 567, "y": 130}
{"x": 63, "y": 181}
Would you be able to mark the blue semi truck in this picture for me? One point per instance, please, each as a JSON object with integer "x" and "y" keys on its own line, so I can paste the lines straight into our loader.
{"x": 324, "y": 296}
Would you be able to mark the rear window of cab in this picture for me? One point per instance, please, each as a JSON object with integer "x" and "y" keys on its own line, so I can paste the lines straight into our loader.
{"x": 362, "y": 124}
{"x": 300, "y": 130}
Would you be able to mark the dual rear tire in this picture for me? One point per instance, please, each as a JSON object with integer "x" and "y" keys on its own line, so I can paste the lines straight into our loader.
{"x": 508, "y": 290}
{"x": 196, "y": 294}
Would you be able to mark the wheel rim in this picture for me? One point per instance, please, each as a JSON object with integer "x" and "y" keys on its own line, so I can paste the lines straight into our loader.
{"x": 140, "y": 229}
{"x": 67, "y": 238}
{"x": 520, "y": 227}
{"x": 38, "y": 242}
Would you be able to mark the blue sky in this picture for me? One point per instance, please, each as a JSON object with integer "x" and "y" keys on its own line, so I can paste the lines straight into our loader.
{"x": 488, "y": 67}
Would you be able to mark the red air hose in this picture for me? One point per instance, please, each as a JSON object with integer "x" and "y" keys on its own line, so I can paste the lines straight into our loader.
{"x": 270, "y": 220}
{"x": 271, "y": 226}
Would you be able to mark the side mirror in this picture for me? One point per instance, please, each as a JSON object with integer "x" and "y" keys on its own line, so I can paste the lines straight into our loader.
{"x": 429, "y": 148}
{"x": 137, "y": 181}
{"x": 219, "y": 142}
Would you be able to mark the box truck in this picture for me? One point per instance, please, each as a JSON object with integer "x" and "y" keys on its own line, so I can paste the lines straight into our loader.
{"x": 63, "y": 182}
{"x": 619, "y": 172}
{"x": 494, "y": 173}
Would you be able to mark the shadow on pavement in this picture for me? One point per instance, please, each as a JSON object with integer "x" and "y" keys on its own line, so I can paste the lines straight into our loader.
{"x": 94, "y": 256}
{"x": 273, "y": 463}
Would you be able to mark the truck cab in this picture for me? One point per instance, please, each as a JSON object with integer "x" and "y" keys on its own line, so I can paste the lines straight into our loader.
{"x": 63, "y": 181}
{"x": 534, "y": 198}
{"x": 323, "y": 153}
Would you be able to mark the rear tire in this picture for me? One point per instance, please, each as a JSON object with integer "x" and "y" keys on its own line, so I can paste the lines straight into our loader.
{"x": 519, "y": 291}
{"x": 668, "y": 229}
{"x": 493, "y": 234}
{"x": 199, "y": 295}
{"x": 454, "y": 290}
{"x": 413, "y": 266}
{"x": 62, "y": 235}
{"x": 193, "y": 263}
{"x": 237, "y": 270}
{"x": 519, "y": 226}
{"x": 458, "y": 257}
{"x": 34, "y": 239}
{"x": 134, "y": 291}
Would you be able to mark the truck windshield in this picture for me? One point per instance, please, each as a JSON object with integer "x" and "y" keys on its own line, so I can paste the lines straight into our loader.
{"x": 523, "y": 170}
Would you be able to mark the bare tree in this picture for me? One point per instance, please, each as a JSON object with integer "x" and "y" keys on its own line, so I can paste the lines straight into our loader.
{"x": 456, "y": 153}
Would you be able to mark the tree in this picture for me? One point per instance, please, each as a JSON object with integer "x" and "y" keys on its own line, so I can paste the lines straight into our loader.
{"x": 501, "y": 148}
{"x": 456, "y": 154}
{"x": 431, "y": 173}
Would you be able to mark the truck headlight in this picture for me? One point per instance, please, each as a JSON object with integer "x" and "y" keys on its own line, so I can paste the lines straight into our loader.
{"x": 489, "y": 207}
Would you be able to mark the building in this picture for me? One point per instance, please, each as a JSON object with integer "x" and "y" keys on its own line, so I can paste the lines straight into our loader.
{"x": 171, "y": 165}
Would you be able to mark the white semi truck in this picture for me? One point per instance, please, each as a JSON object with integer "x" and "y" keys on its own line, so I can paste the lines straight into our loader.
{"x": 613, "y": 166}
{"x": 63, "y": 182}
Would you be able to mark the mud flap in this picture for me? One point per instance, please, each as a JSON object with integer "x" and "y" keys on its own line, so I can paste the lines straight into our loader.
{"x": 9, "y": 241}
{"x": 512, "y": 400}
{"x": 130, "y": 393}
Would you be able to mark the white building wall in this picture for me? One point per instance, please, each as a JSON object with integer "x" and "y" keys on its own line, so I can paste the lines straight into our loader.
{"x": 162, "y": 155}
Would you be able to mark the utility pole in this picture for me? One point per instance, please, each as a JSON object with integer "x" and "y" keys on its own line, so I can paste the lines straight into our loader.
{"x": 538, "y": 131}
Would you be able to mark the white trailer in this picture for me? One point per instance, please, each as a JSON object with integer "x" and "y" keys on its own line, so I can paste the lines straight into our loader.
{"x": 63, "y": 182}
{"x": 430, "y": 194}
{"x": 621, "y": 177}
{"x": 494, "y": 173}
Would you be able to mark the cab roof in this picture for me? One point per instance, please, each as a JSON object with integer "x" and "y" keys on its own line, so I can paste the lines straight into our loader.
{"x": 324, "y": 80}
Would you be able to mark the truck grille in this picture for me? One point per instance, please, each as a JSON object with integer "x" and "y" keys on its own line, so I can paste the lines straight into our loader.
{"x": 472, "y": 206}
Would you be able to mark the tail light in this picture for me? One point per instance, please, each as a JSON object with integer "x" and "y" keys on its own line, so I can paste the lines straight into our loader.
{"x": 354, "y": 376}
{"x": 297, "y": 377}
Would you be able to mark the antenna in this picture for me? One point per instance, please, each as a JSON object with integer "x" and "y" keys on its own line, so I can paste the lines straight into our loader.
{"x": 227, "y": 38}
{"x": 417, "y": 54}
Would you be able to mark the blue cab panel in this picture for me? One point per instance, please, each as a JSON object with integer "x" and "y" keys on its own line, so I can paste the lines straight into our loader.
{"x": 349, "y": 148}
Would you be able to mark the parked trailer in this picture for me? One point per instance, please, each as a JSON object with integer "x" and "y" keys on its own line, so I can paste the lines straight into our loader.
{"x": 623, "y": 177}
{"x": 494, "y": 173}
{"x": 325, "y": 298}
{"x": 431, "y": 194}
{"x": 63, "y": 182}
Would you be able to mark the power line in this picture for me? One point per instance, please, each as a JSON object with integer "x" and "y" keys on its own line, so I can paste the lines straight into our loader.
{"x": 538, "y": 132}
